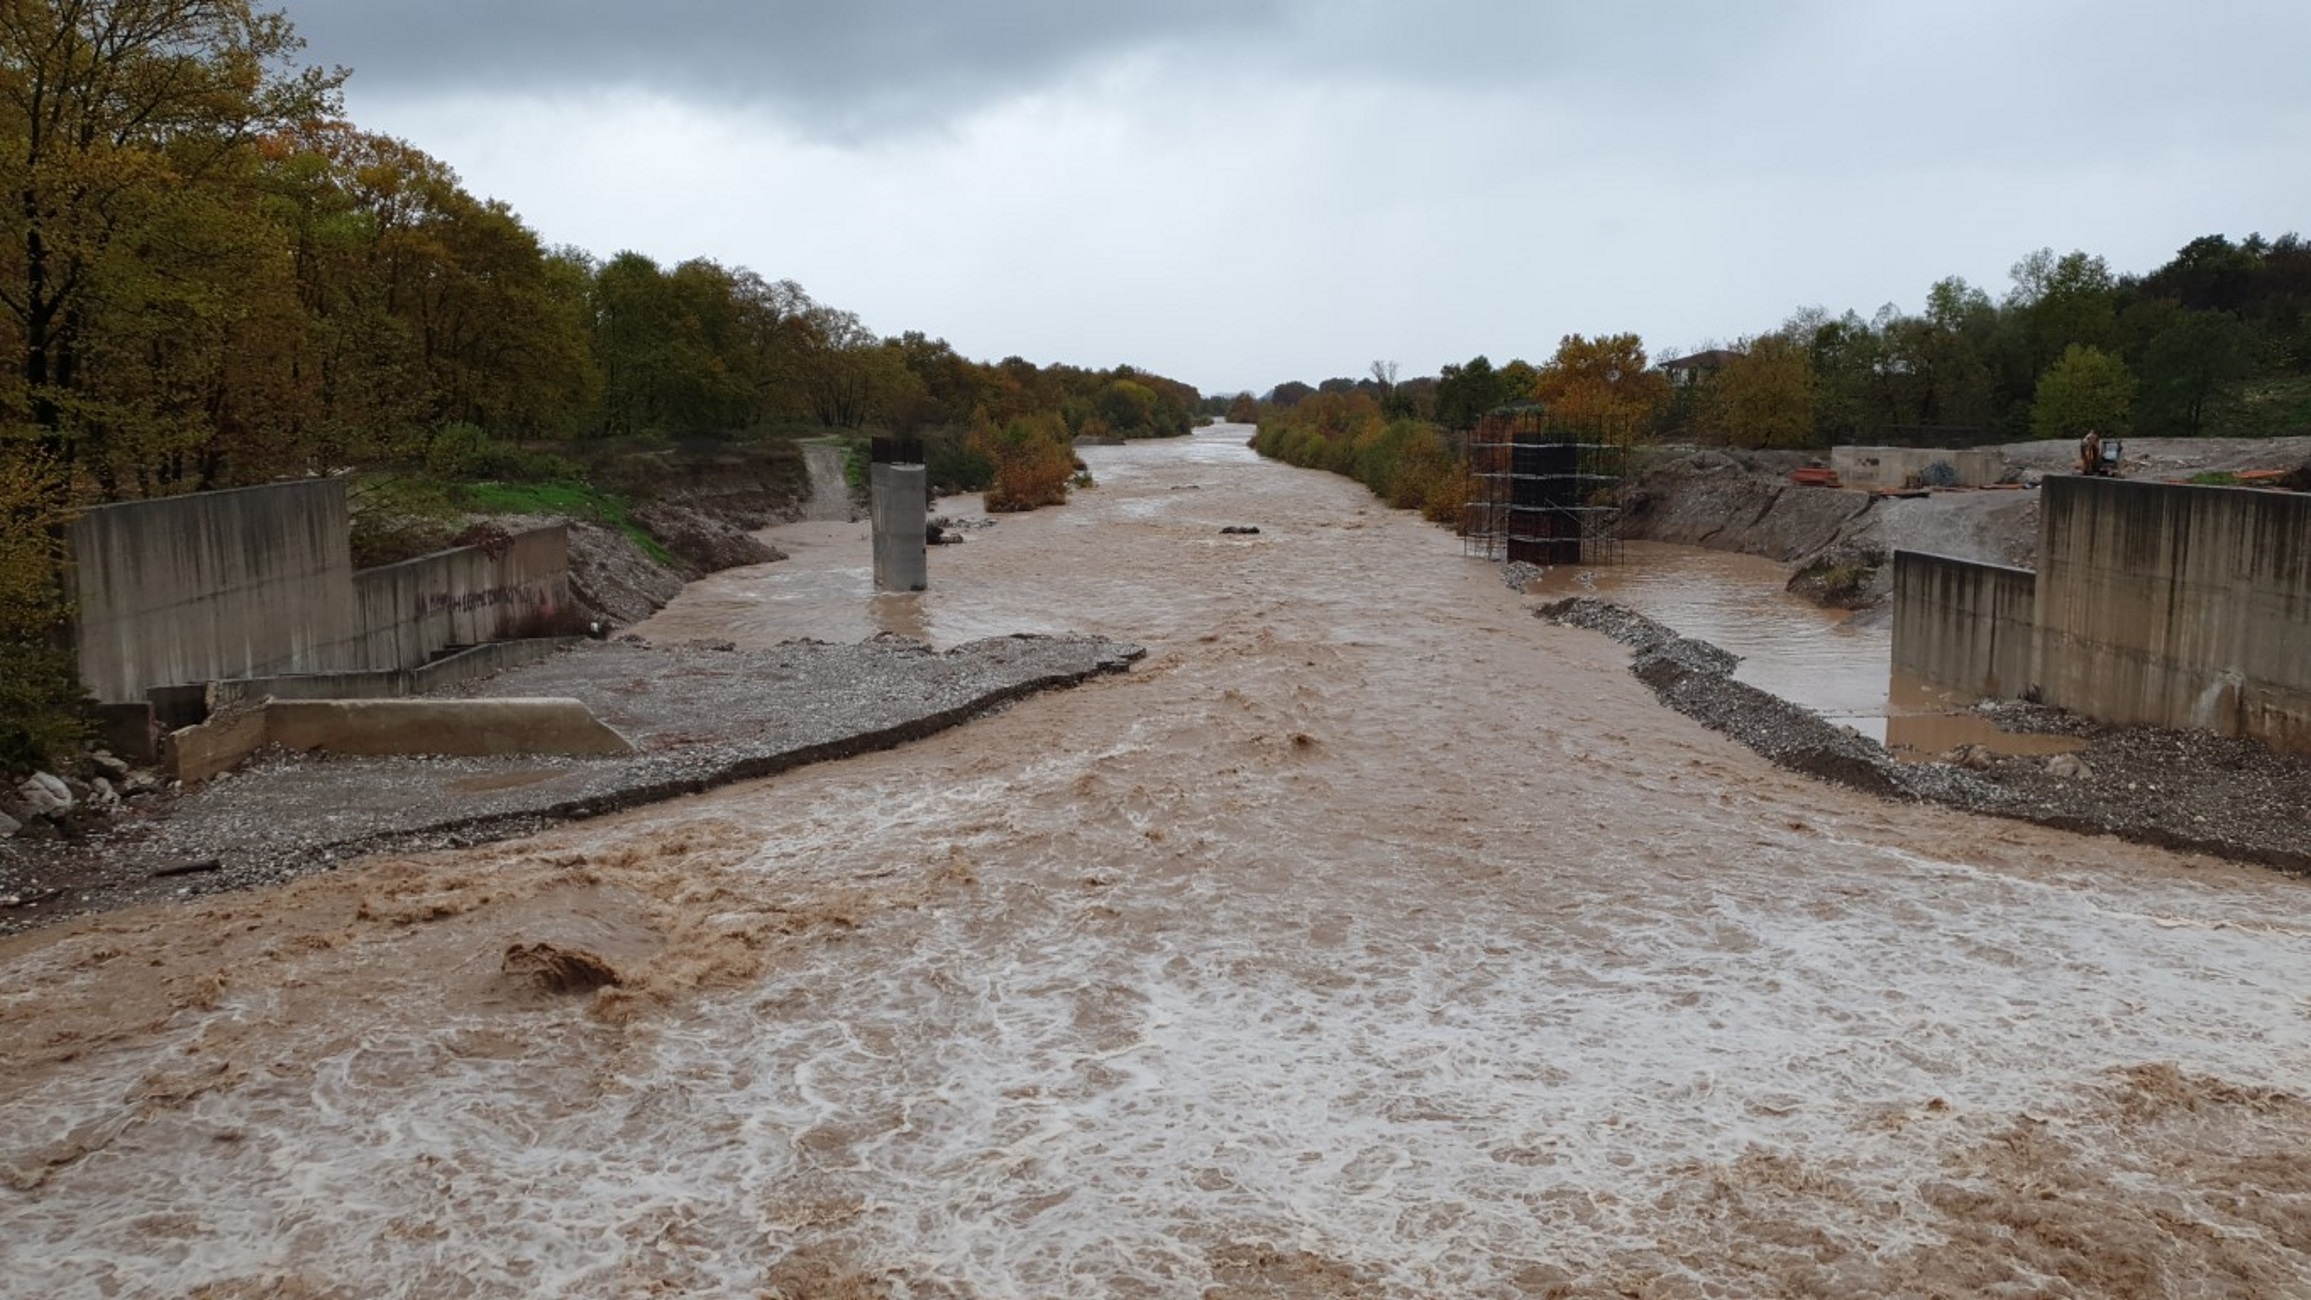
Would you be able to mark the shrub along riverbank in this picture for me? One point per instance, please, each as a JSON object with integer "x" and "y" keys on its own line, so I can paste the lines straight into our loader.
{"x": 1408, "y": 463}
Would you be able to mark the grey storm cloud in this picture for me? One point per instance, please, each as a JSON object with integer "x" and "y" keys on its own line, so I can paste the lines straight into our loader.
{"x": 833, "y": 67}
{"x": 858, "y": 68}
{"x": 1515, "y": 168}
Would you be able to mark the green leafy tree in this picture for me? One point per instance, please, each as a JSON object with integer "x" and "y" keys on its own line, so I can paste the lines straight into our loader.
{"x": 1930, "y": 376}
{"x": 109, "y": 111}
{"x": 1464, "y": 393}
{"x": 1845, "y": 355}
{"x": 2056, "y": 302}
{"x": 1127, "y": 409}
{"x": 503, "y": 326}
{"x": 186, "y": 365}
{"x": 1175, "y": 410}
{"x": 849, "y": 377}
{"x": 1520, "y": 381}
{"x": 2087, "y": 390}
{"x": 707, "y": 351}
{"x": 629, "y": 315}
{"x": 1952, "y": 304}
{"x": 951, "y": 387}
{"x": 1953, "y": 350}
{"x": 490, "y": 330}
{"x": 1764, "y": 396}
{"x": 2210, "y": 273}
{"x": 333, "y": 194}
{"x": 39, "y": 692}
{"x": 2200, "y": 358}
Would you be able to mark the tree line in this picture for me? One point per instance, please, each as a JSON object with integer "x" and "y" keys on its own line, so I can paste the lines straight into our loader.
{"x": 209, "y": 277}
{"x": 2215, "y": 341}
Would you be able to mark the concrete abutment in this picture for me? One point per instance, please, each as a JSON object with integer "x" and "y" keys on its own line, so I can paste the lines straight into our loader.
{"x": 2155, "y": 604}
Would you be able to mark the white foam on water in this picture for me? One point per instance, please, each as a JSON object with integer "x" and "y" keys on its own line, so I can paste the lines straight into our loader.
{"x": 1030, "y": 1089}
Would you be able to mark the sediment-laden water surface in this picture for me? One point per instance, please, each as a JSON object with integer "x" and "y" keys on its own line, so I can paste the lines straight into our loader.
{"x": 1813, "y": 656}
{"x": 1372, "y": 938}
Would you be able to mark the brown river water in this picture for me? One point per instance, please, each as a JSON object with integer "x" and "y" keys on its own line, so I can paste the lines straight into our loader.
{"x": 1372, "y": 938}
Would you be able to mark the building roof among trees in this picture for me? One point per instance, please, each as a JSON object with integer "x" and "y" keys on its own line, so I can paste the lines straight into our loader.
{"x": 1713, "y": 359}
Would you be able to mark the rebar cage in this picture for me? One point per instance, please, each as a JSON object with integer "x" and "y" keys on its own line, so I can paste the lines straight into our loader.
{"x": 1543, "y": 493}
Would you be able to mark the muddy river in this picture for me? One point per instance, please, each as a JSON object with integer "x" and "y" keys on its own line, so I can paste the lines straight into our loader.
{"x": 1372, "y": 938}
{"x": 1827, "y": 660}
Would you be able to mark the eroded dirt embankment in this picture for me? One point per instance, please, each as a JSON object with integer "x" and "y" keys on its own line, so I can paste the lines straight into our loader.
{"x": 1839, "y": 540}
{"x": 702, "y": 505}
{"x": 1739, "y": 501}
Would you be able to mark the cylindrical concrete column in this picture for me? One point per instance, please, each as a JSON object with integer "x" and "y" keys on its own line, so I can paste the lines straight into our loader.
{"x": 899, "y": 500}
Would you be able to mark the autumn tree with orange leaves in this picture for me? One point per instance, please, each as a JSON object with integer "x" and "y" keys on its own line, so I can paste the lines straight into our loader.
{"x": 1764, "y": 396}
{"x": 1605, "y": 381}
{"x": 129, "y": 129}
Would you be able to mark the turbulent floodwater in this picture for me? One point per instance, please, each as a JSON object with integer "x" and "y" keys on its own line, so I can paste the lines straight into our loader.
{"x": 1371, "y": 939}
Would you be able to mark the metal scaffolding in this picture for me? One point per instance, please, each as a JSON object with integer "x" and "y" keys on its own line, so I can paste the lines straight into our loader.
{"x": 1540, "y": 494}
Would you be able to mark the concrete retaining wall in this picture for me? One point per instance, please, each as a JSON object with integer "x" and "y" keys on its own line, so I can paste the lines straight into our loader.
{"x": 408, "y": 612}
{"x": 478, "y": 728}
{"x": 258, "y": 583}
{"x": 387, "y": 683}
{"x": 1893, "y": 467}
{"x": 1964, "y": 625}
{"x": 2177, "y": 606}
{"x": 222, "y": 584}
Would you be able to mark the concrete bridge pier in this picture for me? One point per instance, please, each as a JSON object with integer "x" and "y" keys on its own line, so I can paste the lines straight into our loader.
{"x": 899, "y": 500}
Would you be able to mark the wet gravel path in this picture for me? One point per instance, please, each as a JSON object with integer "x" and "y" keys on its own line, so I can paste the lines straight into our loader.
{"x": 699, "y": 717}
{"x": 2191, "y": 791}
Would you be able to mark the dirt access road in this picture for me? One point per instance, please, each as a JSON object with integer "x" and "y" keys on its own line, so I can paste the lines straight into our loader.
{"x": 1371, "y": 938}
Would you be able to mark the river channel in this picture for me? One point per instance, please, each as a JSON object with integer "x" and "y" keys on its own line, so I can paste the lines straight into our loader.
{"x": 1372, "y": 938}
{"x": 1826, "y": 660}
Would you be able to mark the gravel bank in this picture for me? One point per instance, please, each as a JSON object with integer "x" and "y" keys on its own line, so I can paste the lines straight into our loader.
{"x": 2191, "y": 791}
{"x": 699, "y": 716}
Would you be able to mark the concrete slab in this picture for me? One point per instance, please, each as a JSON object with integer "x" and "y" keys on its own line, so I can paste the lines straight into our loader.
{"x": 459, "y": 727}
{"x": 482, "y": 728}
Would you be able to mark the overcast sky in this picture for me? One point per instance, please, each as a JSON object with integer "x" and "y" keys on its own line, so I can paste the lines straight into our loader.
{"x": 1239, "y": 193}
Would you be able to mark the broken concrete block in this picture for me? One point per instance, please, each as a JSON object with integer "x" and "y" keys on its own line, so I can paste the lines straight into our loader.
{"x": 44, "y": 792}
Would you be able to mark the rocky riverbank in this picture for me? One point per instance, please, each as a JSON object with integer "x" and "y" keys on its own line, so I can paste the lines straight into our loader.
{"x": 699, "y": 717}
{"x": 2191, "y": 791}
{"x": 702, "y": 509}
